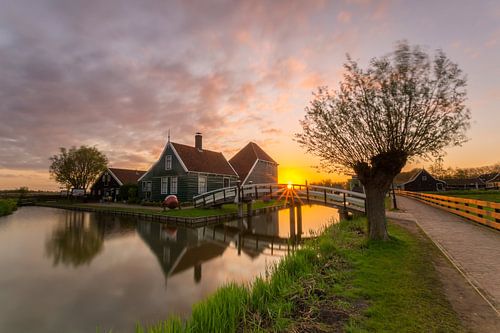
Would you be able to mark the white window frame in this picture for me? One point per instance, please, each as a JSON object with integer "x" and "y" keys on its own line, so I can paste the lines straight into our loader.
{"x": 164, "y": 185}
{"x": 168, "y": 162}
{"x": 203, "y": 189}
{"x": 173, "y": 185}
{"x": 147, "y": 186}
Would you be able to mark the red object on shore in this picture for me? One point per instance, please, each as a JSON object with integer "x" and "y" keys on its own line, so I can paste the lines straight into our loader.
{"x": 171, "y": 202}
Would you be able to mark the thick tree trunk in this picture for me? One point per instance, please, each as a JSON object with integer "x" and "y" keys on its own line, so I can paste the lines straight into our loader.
{"x": 377, "y": 177}
{"x": 375, "y": 211}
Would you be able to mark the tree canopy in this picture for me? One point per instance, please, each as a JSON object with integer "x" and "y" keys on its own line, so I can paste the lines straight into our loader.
{"x": 77, "y": 167}
{"x": 403, "y": 105}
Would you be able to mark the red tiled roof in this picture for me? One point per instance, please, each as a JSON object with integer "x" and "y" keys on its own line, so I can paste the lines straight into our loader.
{"x": 204, "y": 160}
{"x": 127, "y": 176}
{"x": 243, "y": 161}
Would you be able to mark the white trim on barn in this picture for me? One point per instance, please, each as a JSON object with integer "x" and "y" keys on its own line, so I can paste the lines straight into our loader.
{"x": 250, "y": 172}
{"x": 159, "y": 159}
{"x": 116, "y": 178}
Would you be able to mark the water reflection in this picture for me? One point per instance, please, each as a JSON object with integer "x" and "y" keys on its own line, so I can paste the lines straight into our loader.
{"x": 79, "y": 238}
{"x": 84, "y": 270}
{"x": 178, "y": 249}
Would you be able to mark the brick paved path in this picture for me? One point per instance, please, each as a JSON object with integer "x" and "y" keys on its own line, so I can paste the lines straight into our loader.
{"x": 474, "y": 249}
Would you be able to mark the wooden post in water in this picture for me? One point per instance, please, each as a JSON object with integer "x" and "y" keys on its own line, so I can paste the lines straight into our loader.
{"x": 292, "y": 221}
{"x": 307, "y": 192}
{"x": 249, "y": 208}
{"x": 299, "y": 222}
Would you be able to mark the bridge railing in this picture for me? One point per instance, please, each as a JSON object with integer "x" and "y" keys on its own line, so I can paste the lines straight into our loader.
{"x": 215, "y": 197}
{"x": 310, "y": 193}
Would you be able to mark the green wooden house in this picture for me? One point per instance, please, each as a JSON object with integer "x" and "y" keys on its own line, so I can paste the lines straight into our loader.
{"x": 186, "y": 171}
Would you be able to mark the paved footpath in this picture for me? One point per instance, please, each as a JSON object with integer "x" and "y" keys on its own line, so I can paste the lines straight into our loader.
{"x": 474, "y": 249}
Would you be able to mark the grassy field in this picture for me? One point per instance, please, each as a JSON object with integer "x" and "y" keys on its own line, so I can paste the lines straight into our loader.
{"x": 7, "y": 206}
{"x": 337, "y": 282}
{"x": 492, "y": 195}
{"x": 186, "y": 212}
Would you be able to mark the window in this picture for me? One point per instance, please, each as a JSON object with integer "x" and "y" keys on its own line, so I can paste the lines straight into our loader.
{"x": 424, "y": 178}
{"x": 202, "y": 184}
{"x": 225, "y": 182}
{"x": 168, "y": 162}
{"x": 173, "y": 185}
{"x": 146, "y": 186}
{"x": 164, "y": 185}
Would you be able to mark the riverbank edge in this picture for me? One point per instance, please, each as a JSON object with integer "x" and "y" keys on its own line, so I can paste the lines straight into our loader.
{"x": 339, "y": 281}
{"x": 7, "y": 206}
{"x": 157, "y": 216}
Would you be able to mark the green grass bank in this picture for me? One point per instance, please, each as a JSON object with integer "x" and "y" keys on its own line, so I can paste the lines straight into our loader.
{"x": 485, "y": 195}
{"x": 337, "y": 282}
{"x": 7, "y": 206}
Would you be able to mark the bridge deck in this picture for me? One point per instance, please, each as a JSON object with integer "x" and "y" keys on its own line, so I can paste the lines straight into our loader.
{"x": 327, "y": 196}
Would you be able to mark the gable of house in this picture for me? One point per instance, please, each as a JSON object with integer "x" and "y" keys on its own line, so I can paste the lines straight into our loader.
{"x": 252, "y": 159}
{"x": 186, "y": 171}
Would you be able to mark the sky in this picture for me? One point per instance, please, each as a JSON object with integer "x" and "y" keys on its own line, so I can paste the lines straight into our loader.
{"x": 119, "y": 74}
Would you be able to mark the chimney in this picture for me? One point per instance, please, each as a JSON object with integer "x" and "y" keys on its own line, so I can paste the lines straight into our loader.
{"x": 197, "y": 141}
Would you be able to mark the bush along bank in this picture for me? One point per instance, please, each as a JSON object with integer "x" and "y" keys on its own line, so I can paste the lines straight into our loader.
{"x": 7, "y": 206}
{"x": 337, "y": 282}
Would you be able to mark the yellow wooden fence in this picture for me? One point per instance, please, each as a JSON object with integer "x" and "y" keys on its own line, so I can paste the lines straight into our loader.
{"x": 484, "y": 212}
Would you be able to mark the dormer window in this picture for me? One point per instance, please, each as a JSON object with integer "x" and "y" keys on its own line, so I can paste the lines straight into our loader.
{"x": 168, "y": 162}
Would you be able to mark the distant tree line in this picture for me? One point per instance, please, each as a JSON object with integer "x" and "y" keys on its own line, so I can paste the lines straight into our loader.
{"x": 330, "y": 183}
{"x": 439, "y": 172}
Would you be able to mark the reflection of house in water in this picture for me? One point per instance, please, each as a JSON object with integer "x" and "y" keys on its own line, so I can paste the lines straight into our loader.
{"x": 178, "y": 249}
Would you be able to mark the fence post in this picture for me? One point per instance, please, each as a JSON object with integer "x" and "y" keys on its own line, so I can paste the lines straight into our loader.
{"x": 481, "y": 208}
{"x": 307, "y": 192}
{"x": 497, "y": 210}
{"x": 345, "y": 205}
{"x": 213, "y": 196}
{"x": 270, "y": 192}
{"x": 324, "y": 192}
{"x": 256, "y": 192}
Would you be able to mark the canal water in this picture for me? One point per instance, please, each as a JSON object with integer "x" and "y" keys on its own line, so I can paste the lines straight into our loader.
{"x": 66, "y": 271}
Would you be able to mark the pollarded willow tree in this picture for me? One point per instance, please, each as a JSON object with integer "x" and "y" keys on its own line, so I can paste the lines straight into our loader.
{"x": 406, "y": 104}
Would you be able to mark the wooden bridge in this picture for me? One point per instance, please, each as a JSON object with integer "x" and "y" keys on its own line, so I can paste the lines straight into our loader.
{"x": 322, "y": 195}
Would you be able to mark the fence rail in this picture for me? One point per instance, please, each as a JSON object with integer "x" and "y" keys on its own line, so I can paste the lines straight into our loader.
{"x": 483, "y": 212}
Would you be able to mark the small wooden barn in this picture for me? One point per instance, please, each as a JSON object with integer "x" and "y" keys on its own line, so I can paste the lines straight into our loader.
{"x": 422, "y": 181}
{"x": 253, "y": 164}
{"x": 186, "y": 171}
{"x": 107, "y": 185}
{"x": 465, "y": 183}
